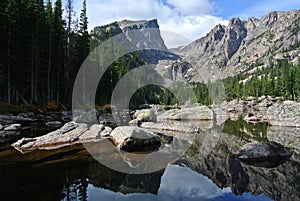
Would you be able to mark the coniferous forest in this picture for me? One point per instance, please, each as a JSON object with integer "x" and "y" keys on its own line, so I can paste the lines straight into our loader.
{"x": 43, "y": 45}
{"x": 41, "y": 50}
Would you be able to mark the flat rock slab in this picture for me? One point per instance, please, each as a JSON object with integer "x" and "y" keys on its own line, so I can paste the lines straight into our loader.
{"x": 189, "y": 113}
{"x": 71, "y": 133}
{"x": 171, "y": 126}
{"x": 130, "y": 138}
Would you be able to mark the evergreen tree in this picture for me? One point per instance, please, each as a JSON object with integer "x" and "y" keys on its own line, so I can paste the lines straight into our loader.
{"x": 83, "y": 32}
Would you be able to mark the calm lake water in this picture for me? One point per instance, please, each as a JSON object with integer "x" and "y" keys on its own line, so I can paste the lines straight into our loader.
{"x": 71, "y": 173}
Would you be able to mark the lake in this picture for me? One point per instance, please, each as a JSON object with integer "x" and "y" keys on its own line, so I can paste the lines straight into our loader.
{"x": 71, "y": 173}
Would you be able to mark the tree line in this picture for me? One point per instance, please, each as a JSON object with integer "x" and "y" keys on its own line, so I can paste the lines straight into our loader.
{"x": 279, "y": 80}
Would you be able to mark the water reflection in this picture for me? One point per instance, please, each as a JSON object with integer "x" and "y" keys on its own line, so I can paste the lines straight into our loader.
{"x": 177, "y": 183}
{"x": 72, "y": 174}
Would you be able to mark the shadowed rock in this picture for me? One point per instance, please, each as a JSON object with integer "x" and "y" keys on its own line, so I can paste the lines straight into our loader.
{"x": 264, "y": 154}
{"x": 130, "y": 138}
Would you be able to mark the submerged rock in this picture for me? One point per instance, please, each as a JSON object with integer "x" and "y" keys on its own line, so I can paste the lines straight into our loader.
{"x": 266, "y": 154}
{"x": 8, "y": 135}
{"x": 129, "y": 138}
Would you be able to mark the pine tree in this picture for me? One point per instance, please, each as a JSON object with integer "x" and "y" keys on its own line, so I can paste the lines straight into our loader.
{"x": 58, "y": 53}
{"x": 49, "y": 12}
{"x": 84, "y": 35}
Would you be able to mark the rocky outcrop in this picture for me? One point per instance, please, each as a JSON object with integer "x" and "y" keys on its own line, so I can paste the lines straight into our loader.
{"x": 71, "y": 133}
{"x": 188, "y": 113}
{"x": 284, "y": 115}
{"x": 129, "y": 138}
{"x": 144, "y": 35}
{"x": 258, "y": 153}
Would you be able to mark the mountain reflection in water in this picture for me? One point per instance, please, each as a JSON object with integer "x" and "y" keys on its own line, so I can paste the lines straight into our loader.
{"x": 71, "y": 173}
{"x": 177, "y": 183}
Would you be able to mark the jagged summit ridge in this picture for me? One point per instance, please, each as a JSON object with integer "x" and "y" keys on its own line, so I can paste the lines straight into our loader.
{"x": 236, "y": 47}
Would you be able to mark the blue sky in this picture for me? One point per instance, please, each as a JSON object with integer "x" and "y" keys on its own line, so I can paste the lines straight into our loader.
{"x": 190, "y": 18}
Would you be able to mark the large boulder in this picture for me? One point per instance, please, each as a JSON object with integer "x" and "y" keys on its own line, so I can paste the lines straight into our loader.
{"x": 188, "y": 113}
{"x": 130, "y": 138}
{"x": 256, "y": 153}
{"x": 284, "y": 115}
{"x": 71, "y": 133}
{"x": 146, "y": 115}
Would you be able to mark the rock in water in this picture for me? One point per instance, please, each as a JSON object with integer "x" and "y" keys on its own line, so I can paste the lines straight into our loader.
{"x": 189, "y": 113}
{"x": 266, "y": 154}
{"x": 129, "y": 138}
{"x": 284, "y": 115}
{"x": 71, "y": 133}
{"x": 146, "y": 115}
{"x": 13, "y": 127}
{"x": 53, "y": 123}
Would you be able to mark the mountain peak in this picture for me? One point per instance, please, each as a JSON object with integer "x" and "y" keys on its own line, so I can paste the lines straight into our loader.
{"x": 241, "y": 45}
{"x": 131, "y": 25}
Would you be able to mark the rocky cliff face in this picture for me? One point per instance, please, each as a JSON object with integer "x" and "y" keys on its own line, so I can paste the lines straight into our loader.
{"x": 225, "y": 51}
{"x": 145, "y": 35}
{"x": 243, "y": 45}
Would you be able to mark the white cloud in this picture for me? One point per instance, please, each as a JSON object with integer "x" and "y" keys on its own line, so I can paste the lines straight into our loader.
{"x": 192, "y": 27}
{"x": 190, "y": 18}
{"x": 191, "y": 7}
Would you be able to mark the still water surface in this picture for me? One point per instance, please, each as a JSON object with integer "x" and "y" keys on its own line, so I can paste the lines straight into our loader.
{"x": 72, "y": 174}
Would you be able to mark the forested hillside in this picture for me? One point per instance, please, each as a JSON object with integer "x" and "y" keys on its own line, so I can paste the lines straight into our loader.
{"x": 42, "y": 48}
{"x": 43, "y": 45}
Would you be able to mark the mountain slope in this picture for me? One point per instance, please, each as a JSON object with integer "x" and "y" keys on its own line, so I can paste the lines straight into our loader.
{"x": 244, "y": 45}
